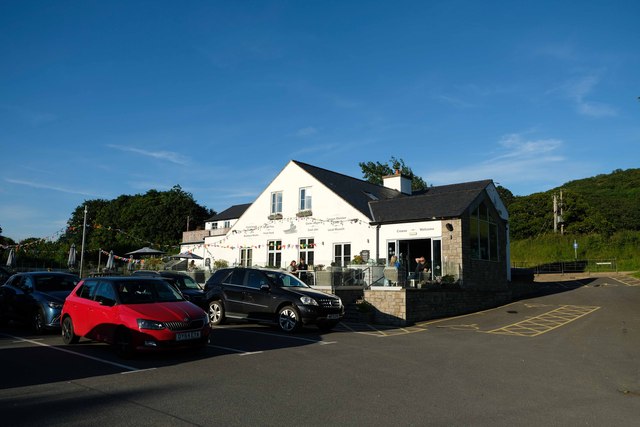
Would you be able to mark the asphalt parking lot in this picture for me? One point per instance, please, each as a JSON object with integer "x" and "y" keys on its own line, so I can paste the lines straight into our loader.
{"x": 569, "y": 357}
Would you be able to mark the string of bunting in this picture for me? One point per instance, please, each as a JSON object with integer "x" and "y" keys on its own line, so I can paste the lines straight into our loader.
{"x": 74, "y": 228}
{"x": 221, "y": 243}
{"x": 25, "y": 246}
{"x": 121, "y": 231}
{"x": 123, "y": 259}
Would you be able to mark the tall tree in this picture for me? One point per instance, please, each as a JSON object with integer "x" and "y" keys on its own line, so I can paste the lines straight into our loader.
{"x": 373, "y": 172}
{"x": 156, "y": 218}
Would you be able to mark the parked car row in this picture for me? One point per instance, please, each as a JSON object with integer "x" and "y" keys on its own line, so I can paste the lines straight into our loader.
{"x": 152, "y": 310}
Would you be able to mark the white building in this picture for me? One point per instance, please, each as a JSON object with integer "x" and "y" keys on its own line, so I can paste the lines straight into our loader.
{"x": 328, "y": 218}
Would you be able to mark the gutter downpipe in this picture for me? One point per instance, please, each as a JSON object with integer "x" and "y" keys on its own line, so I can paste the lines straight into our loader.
{"x": 378, "y": 242}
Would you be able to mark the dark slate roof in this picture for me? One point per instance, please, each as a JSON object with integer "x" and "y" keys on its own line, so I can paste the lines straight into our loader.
{"x": 234, "y": 212}
{"x": 358, "y": 193}
{"x": 445, "y": 201}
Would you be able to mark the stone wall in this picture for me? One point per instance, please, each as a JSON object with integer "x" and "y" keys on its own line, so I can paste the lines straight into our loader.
{"x": 401, "y": 307}
{"x": 452, "y": 248}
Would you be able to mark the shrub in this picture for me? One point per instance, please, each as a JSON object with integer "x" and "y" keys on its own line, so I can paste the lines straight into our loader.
{"x": 220, "y": 263}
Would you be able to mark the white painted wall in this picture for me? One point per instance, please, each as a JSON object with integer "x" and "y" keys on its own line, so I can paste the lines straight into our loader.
{"x": 333, "y": 221}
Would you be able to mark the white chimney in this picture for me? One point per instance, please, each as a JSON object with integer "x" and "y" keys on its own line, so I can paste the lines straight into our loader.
{"x": 398, "y": 181}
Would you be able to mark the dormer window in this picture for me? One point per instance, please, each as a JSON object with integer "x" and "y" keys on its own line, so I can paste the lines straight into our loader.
{"x": 305, "y": 199}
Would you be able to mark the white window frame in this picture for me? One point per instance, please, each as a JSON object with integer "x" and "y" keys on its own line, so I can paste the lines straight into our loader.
{"x": 341, "y": 260}
{"x": 276, "y": 202}
{"x": 304, "y": 199}
{"x": 246, "y": 257}
{"x": 306, "y": 245}
{"x": 274, "y": 253}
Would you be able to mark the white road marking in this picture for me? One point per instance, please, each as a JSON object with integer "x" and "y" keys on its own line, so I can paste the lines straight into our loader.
{"x": 64, "y": 350}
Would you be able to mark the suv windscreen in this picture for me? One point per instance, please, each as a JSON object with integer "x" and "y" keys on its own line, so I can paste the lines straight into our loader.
{"x": 285, "y": 280}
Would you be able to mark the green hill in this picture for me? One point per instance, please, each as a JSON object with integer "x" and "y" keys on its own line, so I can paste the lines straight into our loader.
{"x": 603, "y": 204}
{"x": 602, "y": 213}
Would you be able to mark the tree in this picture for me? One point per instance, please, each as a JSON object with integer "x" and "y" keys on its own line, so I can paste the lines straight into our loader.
{"x": 373, "y": 172}
{"x": 156, "y": 218}
{"x": 506, "y": 196}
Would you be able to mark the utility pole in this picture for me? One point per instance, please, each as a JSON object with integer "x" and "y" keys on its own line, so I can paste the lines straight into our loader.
{"x": 84, "y": 231}
{"x": 188, "y": 222}
{"x": 561, "y": 219}
{"x": 557, "y": 214}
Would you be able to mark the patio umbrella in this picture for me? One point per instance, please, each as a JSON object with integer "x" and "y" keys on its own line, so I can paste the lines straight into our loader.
{"x": 110, "y": 262}
{"x": 11, "y": 259}
{"x": 187, "y": 255}
{"x": 72, "y": 256}
{"x": 145, "y": 251}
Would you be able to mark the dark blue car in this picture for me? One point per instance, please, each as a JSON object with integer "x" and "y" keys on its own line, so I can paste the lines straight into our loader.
{"x": 36, "y": 298}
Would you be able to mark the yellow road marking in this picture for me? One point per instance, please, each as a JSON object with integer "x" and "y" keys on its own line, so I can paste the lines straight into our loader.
{"x": 545, "y": 322}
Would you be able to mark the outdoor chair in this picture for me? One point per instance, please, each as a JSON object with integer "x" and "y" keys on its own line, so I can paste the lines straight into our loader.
{"x": 391, "y": 275}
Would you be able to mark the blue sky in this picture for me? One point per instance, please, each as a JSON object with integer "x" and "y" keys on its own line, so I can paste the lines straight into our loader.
{"x": 104, "y": 98}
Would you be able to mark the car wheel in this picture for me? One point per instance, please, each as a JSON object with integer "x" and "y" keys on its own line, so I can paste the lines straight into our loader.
{"x": 216, "y": 313}
{"x": 326, "y": 326}
{"x": 38, "y": 321}
{"x": 122, "y": 344}
{"x": 289, "y": 319}
{"x": 68, "y": 336}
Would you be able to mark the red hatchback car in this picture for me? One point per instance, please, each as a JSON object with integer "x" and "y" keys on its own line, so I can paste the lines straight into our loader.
{"x": 133, "y": 313}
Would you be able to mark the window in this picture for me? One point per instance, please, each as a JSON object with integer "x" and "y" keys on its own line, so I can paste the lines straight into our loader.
{"x": 87, "y": 290}
{"x": 483, "y": 232}
{"x": 342, "y": 254}
{"x": 237, "y": 277}
{"x": 105, "y": 293}
{"x": 276, "y": 202}
{"x": 246, "y": 257}
{"x": 306, "y": 250}
{"x": 274, "y": 253}
{"x": 305, "y": 199}
{"x": 227, "y": 224}
{"x": 214, "y": 225}
{"x": 255, "y": 279}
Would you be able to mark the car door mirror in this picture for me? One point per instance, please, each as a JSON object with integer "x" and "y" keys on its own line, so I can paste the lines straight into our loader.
{"x": 107, "y": 302}
{"x": 265, "y": 287}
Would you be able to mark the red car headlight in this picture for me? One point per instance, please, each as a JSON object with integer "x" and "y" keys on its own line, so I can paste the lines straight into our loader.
{"x": 150, "y": 324}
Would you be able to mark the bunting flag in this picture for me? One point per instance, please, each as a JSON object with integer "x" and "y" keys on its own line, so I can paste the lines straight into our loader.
{"x": 121, "y": 231}
{"x": 122, "y": 258}
{"x": 221, "y": 244}
{"x": 226, "y": 244}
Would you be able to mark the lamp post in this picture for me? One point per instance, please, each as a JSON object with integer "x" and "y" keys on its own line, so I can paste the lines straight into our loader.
{"x": 84, "y": 230}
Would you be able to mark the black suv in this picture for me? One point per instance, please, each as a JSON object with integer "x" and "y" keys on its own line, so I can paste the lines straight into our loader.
{"x": 269, "y": 295}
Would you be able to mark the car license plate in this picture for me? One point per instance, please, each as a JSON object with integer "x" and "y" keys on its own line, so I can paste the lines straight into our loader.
{"x": 333, "y": 316}
{"x": 184, "y": 336}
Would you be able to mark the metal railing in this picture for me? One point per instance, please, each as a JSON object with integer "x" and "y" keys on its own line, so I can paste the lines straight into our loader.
{"x": 575, "y": 266}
